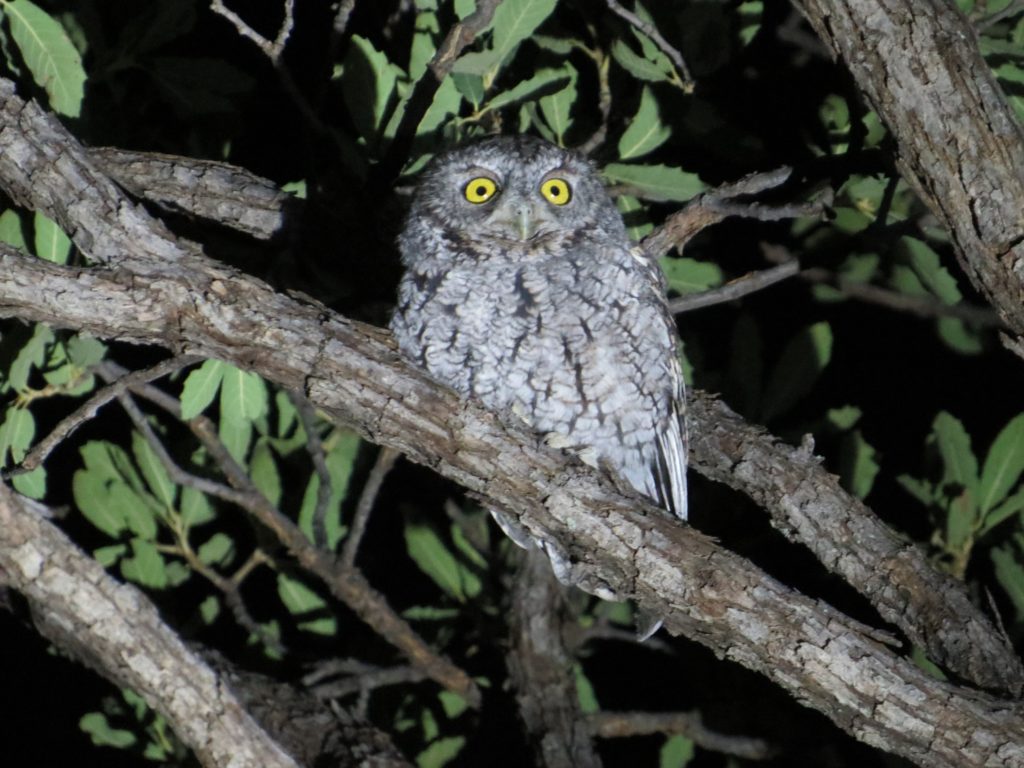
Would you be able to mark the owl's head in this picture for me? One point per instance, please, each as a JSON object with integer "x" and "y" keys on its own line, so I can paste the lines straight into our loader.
{"x": 517, "y": 190}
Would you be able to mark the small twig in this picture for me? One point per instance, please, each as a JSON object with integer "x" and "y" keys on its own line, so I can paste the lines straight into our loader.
{"x": 1017, "y": 6}
{"x": 735, "y": 289}
{"x": 715, "y": 205}
{"x": 361, "y": 677}
{"x": 88, "y": 410}
{"x": 346, "y": 584}
{"x": 649, "y": 30}
{"x": 385, "y": 461}
{"x": 315, "y": 448}
{"x": 460, "y": 35}
{"x": 272, "y": 49}
{"x": 604, "y": 104}
{"x": 612, "y": 725}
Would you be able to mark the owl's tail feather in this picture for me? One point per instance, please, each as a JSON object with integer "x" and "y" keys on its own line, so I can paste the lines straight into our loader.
{"x": 670, "y": 469}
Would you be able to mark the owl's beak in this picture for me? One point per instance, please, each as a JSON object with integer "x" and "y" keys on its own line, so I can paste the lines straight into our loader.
{"x": 526, "y": 221}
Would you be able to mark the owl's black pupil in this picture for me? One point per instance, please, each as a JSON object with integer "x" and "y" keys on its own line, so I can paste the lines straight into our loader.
{"x": 555, "y": 191}
{"x": 481, "y": 191}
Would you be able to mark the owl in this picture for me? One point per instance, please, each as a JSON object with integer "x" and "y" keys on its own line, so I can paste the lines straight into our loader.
{"x": 522, "y": 290}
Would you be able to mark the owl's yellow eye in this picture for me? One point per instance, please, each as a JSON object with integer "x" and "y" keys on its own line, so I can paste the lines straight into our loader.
{"x": 480, "y": 190}
{"x": 556, "y": 191}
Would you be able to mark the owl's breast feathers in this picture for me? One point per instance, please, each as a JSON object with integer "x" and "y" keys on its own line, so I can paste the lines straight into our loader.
{"x": 572, "y": 335}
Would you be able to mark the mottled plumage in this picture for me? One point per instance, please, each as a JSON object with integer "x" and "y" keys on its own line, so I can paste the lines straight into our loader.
{"x": 522, "y": 290}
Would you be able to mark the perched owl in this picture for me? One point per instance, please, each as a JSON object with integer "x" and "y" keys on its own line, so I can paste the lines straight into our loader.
{"x": 522, "y": 290}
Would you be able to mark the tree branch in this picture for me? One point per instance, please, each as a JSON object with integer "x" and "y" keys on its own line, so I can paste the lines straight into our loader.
{"x": 960, "y": 145}
{"x": 115, "y": 629}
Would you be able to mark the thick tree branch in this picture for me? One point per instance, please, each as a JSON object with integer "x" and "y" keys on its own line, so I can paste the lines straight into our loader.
{"x": 960, "y": 145}
{"x": 351, "y": 371}
{"x": 116, "y": 629}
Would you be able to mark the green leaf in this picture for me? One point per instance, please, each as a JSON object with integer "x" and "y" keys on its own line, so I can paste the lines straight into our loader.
{"x": 85, "y": 351}
{"x": 195, "y": 507}
{"x": 236, "y": 436}
{"x": 31, "y": 355}
{"x": 921, "y": 490}
{"x": 201, "y": 386}
{"x": 961, "y": 467}
{"x": 442, "y": 751}
{"x": 801, "y": 363}
{"x": 108, "y": 556}
{"x": 218, "y": 550}
{"x": 209, "y": 610}
{"x": 959, "y": 336}
{"x": 858, "y": 464}
{"x": 49, "y": 54}
{"x": 243, "y": 395}
{"x": 585, "y": 691}
{"x": 51, "y": 242}
{"x": 91, "y": 497}
{"x": 557, "y": 107}
{"x": 686, "y": 275}
{"x": 930, "y": 272}
{"x": 153, "y": 470}
{"x": 1003, "y": 465}
{"x": 1010, "y": 574}
{"x": 11, "y": 232}
{"x": 453, "y": 704}
{"x": 103, "y": 734}
{"x": 514, "y": 21}
{"x": 139, "y": 511}
{"x": 16, "y": 434}
{"x": 845, "y": 417}
{"x": 341, "y": 457}
{"x": 676, "y": 752}
{"x": 426, "y": 32}
{"x": 429, "y": 552}
{"x": 369, "y": 83}
{"x": 961, "y": 471}
{"x": 31, "y": 484}
{"x": 645, "y": 132}
{"x": 544, "y": 82}
{"x": 263, "y": 471}
{"x": 301, "y": 601}
{"x": 634, "y": 214}
{"x": 145, "y": 566}
{"x": 655, "y": 182}
{"x": 1011, "y": 506}
{"x": 638, "y": 66}
{"x": 470, "y": 85}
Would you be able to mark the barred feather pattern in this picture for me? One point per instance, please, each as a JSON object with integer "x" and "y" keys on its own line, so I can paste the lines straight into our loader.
{"x": 544, "y": 311}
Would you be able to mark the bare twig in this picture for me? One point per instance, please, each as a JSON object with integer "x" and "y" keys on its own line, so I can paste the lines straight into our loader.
{"x": 612, "y": 725}
{"x": 604, "y": 103}
{"x": 459, "y": 36}
{"x": 273, "y": 49}
{"x": 1017, "y": 6}
{"x": 922, "y": 306}
{"x": 735, "y": 289}
{"x": 341, "y": 17}
{"x": 346, "y": 584}
{"x": 360, "y": 677}
{"x": 715, "y": 205}
{"x": 315, "y": 448}
{"x": 540, "y": 668}
{"x": 385, "y": 461}
{"x": 88, "y": 410}
{"x": 648, "y": 29}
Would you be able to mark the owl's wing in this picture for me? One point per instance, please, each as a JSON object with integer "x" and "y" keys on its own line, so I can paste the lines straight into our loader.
{"x": 669, "y": 470}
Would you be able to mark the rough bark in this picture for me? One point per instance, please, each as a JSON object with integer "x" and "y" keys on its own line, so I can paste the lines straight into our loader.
{"x": 540, "y": 668}
{"x": 116, "y": 630}
{"x": 918, "y": 64}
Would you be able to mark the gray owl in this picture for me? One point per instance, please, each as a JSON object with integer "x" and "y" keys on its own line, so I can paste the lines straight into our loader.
{"x": 522, "y": 290}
